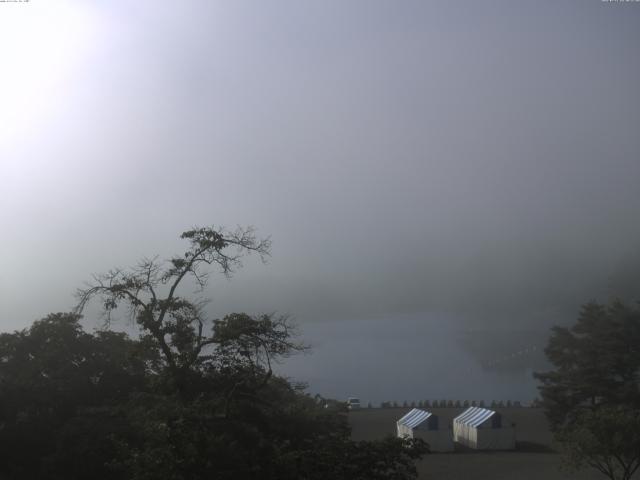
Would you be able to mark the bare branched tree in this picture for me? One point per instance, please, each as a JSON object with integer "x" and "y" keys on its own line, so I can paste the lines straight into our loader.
{"x": 150, "y": 291}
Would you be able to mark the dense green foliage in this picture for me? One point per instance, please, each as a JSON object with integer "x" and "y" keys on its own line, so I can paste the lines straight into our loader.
{"x": 188, "y": 399}
{"x": 592, "y": 398}
{"x": 76, "y": 405}
{"x": 607, "y": 439}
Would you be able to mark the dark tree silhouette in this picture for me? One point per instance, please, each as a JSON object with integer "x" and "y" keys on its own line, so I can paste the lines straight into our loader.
{"x": 188, "y": 398}
{"x": 151, "y": 291}
{"x": 592, "y": 397}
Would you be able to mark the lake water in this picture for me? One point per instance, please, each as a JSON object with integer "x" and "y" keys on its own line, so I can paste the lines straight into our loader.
{"x": 408, "y": 358}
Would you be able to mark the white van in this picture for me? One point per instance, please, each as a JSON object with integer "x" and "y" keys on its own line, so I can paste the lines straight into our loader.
{"x": 353, "y": 403}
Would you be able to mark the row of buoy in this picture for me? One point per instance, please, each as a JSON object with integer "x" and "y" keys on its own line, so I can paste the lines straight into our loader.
{"x": 519, "y": 353}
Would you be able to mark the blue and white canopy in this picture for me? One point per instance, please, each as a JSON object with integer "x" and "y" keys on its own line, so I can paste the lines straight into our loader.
{"x": 474, "y": 416}
{"x": 414, "y": 418}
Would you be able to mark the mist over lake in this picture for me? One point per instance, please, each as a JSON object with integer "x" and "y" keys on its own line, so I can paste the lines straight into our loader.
{"x": 416, "y": 357}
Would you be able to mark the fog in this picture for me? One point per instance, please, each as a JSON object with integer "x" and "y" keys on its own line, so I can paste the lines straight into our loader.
{"x": 424, "y": 169}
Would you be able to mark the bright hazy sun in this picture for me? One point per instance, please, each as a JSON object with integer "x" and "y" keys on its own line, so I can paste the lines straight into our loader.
{"x": 41, "y": 43}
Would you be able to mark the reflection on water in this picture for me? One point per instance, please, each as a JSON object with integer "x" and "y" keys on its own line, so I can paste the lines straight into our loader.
{"x": 416, "y": 358}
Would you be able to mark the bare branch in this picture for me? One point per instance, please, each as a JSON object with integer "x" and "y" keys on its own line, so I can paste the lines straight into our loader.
{"x": 177, "y": 324}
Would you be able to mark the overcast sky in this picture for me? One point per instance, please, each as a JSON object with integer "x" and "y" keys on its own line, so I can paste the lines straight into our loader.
{"x": 477, "y": 160}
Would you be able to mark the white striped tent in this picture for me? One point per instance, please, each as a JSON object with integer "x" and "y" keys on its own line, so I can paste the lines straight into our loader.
{"x": 483, "y": 429}
{"x": 425, "y": 425}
